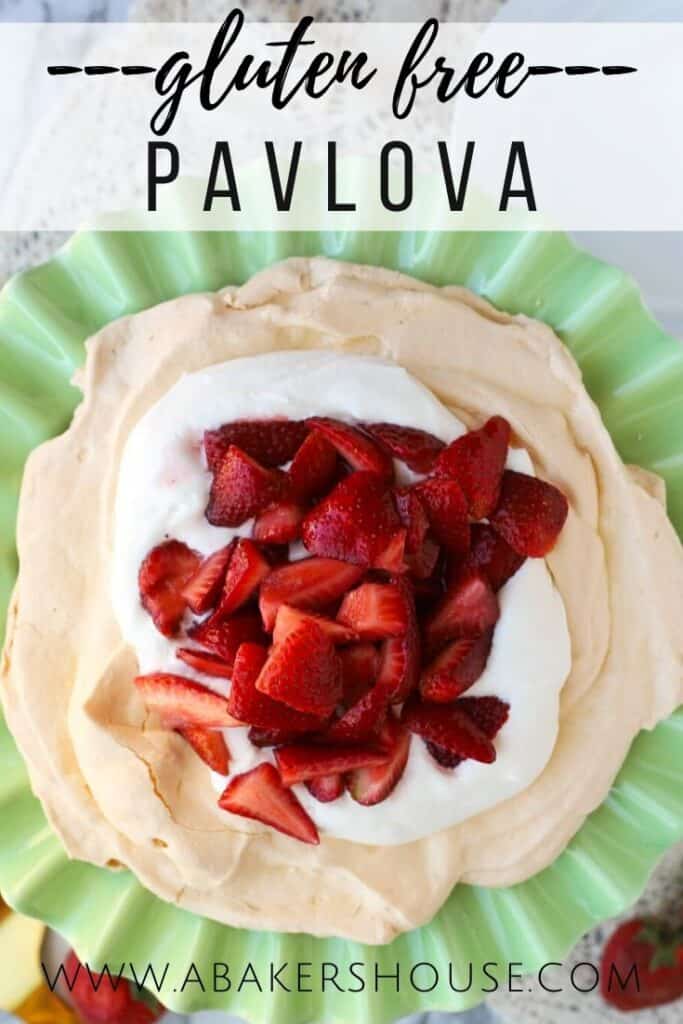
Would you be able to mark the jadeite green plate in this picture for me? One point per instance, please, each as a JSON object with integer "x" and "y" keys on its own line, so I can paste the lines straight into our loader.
{"x": 635, "y": 373}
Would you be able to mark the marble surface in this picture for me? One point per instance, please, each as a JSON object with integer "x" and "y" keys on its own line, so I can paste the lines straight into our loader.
{"x": 653, "y": 259}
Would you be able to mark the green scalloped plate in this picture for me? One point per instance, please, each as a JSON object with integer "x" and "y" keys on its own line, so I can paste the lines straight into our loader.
{"x": 633, "y": 370}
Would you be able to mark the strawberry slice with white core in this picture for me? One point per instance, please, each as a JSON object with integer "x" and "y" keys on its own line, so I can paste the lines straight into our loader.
{"x": 393, "y": 558}
{"x": 361, "y": 722}
{"x": 468, "y": 608}
{"x": 259, "y": 794}
{"x": 257, "y": 709}
{"x": 162, "y": 578}
{"x": 375, "y": 611}
{"x": 313, "y": 469}
{"x": 242, "y": 488}
{"x": 456, "y": 669}
{"x": 477, "y": 460}
{"x": 399, "y": 668}
{"x": 417, "y": 448}
{"x": 288, "y": 619}
{"x": 247, "y": 569}
{"x": 279, "y": 523}
{"x": 223, "y": 637}
{"x": 210, "y": 745}
{"x": 203, "y": 661}
{"x": 530, "y": 514}
{"x": 449, "y": 727}
{"x": 326, "y": 788}
{"x": 312, "y": 584}
{"x": 354, "y": 446}
{"x": 356, "y": 522}
{"x": 304, "y": 671}
{"x": 203, "y": 588}
{"x": 488, "y": 713}
{"x": 270, "y": 442}
{"x": 446, "y": 509}
{"x": 180, "y": 702}
{"x": 373, "y": 784}
{"x": 303, "y": 761}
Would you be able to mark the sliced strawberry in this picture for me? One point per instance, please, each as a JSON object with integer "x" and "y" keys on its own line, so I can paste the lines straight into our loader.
{"x": 242, "y": 488}
{"x": 270, "y": 442}
{"x": 421, "y": 550}
{"x": 96, "y": 997}
{"x": 250, "y": 705}
{"x": 360, "y": 666}
{"x": 260, "y": 794}
{"x": 375, "y": 611}
{"x": 303, "y": 761}
{"x": 492, "y": 555}
{"x": 362, "y": 721}
{"x": 180, "y": 702}
{"x": 468, "y": 608}
{"x": 326, "y": 788}
{"x": 304, "y": 672}
{"x": 449, "y": 727}
{"x": 456, "y": 669}
{"x": 399, "y": 668}
{"x": 288, "y": 619}
{"x": 224, "y": 636}
{"x": 275, "y": 737}
{"x": 488, "y": 713}
{"x": 477, "y": 460}
{"x": 530, "y": 514}
{"x": 417, "y": 448}
{"x": 202, "y": 661}
{"x": 162, "y": 578}
{"x": 355, "y": 522}
{"x": 210, "y": 746}
{"x": 372, "y": 784}
{"x": 279, "y": 523}
{"x": 202, "y": 589}
{"x": 442, "y": 756}
{"x": 392, "y": 559}
{"x": 446, "y": 509}
{"x": 312, "y": 583}
{"x": 313, "y": 469}
{"x": 354, "y": 446}
{"x": 247, "y": 569}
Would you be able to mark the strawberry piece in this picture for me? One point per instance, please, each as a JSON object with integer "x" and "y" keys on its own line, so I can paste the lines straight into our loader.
{"x": 202, "y": 589}
{"x": 326, "y": 788}
{"x": 210, "y": 746}
{"x": 279, "y": 524}
{"x": 362, "y": 721}
{"x": 180, "y": 702}
{"x": 477, "y": 460}
{"x": 446, "y": 509}
{"x": 250, "y": 705}
{"x": 449, "y": 727}
{"x": 275, "y": 737}
{"x": 375, "y": 611}
{"x": 259, "y": 794}
{"x": 650, "y": 952}
{"x": 313, "y": 469}
{"x": 392, "y": 558}
{"x": 456, "y": 669}
{"x": 530, "y": 514}
{"x": 488, "y": 713}
{"x": 97, "y": 997}
{"x": 242, "y": 488}
{"x": 421, "y": 550}
{"x": 491, "y": 555}
{"x": 288, "y": 619}
{"x": 372, "y": 784}
{"x": 201, "y": 661}
{"x": 468, "y": 608}
{"x": 304, "y": 672}
{"x": 312, "y": 583}
{"x": 270, "y": 442}
{"x": 162, "y": 578}
{"x": 303, "y": 761}
{"x": 417, "y": 448}
{"x": 442, "y": 756}
{"x": 399, "y": 668}
{"x": 355, "y": 522}
{"x": 223, "y": 636}
{"x": 247, "y": 569}
{"x": 360, "y": 666}
{"x": 354, "y": 446}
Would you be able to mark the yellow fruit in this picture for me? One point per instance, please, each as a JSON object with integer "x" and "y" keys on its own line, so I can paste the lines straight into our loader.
{"x": 20, "y": 942}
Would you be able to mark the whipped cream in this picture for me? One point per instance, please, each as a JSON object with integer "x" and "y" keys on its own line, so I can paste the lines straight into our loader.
{"x": 162, "y": 492}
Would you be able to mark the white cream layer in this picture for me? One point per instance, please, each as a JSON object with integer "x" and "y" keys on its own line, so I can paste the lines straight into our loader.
{"x": 163, "y": 490}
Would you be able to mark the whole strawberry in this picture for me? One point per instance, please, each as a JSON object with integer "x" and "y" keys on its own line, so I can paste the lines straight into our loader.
{"x": 100, "y": 1000}
{"x": 652, "y": 955}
